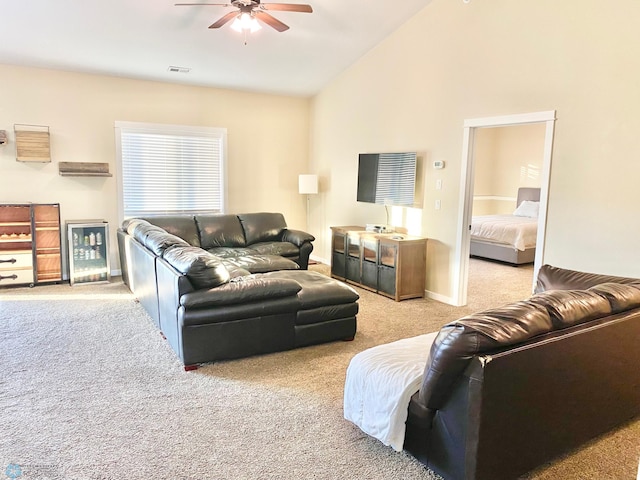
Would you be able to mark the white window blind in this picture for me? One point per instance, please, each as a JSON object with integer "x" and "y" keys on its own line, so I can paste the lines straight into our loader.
{"x": 170, "y": 169}
{"x": 396, "y": 182}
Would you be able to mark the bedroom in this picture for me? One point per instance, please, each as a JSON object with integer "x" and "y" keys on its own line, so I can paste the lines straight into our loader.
{"x": 506, "y": 160}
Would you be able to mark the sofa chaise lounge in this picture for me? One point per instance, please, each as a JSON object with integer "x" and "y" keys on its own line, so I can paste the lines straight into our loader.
{"x": 501, "y": 392}
{"x": 228, "y": 286}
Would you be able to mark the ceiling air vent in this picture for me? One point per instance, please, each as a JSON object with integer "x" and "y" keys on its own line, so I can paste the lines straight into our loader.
{"x": 179, "y": 69}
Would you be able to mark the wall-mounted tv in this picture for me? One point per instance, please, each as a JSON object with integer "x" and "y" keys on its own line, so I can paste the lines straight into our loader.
{"x": 387, "y": 178}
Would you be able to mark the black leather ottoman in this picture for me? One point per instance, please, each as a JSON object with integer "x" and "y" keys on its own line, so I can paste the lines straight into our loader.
{"x": 328, "y": 308}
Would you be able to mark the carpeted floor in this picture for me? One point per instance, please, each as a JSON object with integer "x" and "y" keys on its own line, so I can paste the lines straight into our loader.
{"x": 90, "y": 390}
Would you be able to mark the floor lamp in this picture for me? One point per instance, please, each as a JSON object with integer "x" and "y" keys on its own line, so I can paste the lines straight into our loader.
{"x": 307, "y": 185}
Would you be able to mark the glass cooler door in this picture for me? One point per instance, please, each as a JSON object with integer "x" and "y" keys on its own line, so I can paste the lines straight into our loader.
{"x": 88, "y": 252}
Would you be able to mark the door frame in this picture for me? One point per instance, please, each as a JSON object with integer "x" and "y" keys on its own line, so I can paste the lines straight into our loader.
{"x": 461, "y": 274}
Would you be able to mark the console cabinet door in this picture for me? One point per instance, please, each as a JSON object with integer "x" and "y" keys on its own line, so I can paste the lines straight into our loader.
{"x": 369, "y": 247}
{"x": 387, "y": 273}
{"x": 338, "y": 255}
{"x": 353, "y": 257}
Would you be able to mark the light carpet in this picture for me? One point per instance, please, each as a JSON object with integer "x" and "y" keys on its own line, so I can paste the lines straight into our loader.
{"x": 90, "y": 390}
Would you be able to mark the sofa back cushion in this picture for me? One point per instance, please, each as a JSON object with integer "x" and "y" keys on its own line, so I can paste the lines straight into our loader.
{"x": 159, "y": 240}
{"x": 202, "y": 269}
{"x": 262, "y": 227}
{"x": 621, "y": 297}
{"x": 459, "y": 341}
{"x": 220, "y": 231}
{"x": 139, "y": 229}
{"x": 183, "y": 226}
{"x": 570, "y": 307}
{"x": 555, "y": 278}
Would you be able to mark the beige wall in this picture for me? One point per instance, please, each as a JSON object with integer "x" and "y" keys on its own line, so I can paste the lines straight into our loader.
{"x": 267, "y": 139}
{"x": 455, "y": 61}
{"x": 506, "y": 158}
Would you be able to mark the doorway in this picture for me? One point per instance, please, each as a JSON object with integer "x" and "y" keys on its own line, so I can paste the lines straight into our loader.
{"x": 461, "y": 275}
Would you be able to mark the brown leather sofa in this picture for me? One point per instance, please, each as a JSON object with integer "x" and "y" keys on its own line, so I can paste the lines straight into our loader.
{"x": 508, "y": 389}
{"x": 229, "y": 286}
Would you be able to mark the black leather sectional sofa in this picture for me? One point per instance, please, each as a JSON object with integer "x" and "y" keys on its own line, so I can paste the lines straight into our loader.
{"x": 229, "y": 286}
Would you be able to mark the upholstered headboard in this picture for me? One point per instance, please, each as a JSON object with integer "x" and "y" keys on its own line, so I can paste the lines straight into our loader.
{"x": 527, "y": 193}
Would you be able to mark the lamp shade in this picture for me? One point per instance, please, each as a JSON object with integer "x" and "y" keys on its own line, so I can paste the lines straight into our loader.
{"x": 308, "y": 184}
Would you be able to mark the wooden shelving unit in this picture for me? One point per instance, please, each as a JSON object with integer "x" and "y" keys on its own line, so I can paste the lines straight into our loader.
{"x": 30, "y": 244}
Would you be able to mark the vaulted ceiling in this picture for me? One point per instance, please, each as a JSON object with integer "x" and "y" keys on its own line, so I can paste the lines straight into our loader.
{"x": 143, "y": 38}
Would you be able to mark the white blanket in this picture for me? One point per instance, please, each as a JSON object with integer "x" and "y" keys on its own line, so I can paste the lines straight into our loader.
{"x": 519, "y": 232}
{"x": 380, "y": 382}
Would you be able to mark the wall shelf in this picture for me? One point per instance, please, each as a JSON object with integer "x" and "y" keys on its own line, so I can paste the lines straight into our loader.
{"x": 32, "y": 143}
{"x": 84, "y": 169}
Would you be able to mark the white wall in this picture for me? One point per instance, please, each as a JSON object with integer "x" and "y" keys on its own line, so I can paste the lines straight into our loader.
{"x": 506, "y": 158}
{"x": 455, "y": 61}
{"x": 267, "y": 139}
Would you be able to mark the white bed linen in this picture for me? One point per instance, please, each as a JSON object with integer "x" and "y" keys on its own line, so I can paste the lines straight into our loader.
{"x": 379, "y": 384}
{"x": 519, "y": 232}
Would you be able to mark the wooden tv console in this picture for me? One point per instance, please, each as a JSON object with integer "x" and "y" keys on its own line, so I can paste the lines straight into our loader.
{"x": 391, "y": 264}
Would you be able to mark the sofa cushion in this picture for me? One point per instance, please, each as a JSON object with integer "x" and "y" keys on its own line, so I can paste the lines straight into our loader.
{"x": 251, "y": 288}
{"x": 284, "y": 249}
{"x": 231, "y": 252}
{"x": 318, "y": 290}
{"x": 621, "y": 297}
{"x": 261, "y": 263}
{"x": 183, "y": 226}
{"x": 570, "y": 307}
{"x": 262, "y": 227}
{"x": 201, "y": 268}
{"x": 220, "y": 231}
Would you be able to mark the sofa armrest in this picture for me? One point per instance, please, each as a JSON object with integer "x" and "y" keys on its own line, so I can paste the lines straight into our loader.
{"x": 297, "y": 237}
{"x": 247, "y": 289}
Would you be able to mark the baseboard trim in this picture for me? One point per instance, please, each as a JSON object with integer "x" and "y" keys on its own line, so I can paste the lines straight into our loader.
{"x": 440, "y": 298}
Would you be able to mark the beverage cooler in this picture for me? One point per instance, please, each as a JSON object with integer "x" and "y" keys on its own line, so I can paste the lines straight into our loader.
{"x": 88, "y": 251}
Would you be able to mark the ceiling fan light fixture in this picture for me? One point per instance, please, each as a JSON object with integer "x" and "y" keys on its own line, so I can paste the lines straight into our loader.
{"x": 245, "y": 22}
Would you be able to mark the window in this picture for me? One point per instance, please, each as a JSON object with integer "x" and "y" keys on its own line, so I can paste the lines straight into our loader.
{"x": 170, "y": 169}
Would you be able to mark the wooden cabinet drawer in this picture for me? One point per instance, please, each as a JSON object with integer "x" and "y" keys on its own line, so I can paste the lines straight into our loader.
{"x": 16, "y": 261}
{"x": 15, "y": 277}
{"x": 16, "y": 268}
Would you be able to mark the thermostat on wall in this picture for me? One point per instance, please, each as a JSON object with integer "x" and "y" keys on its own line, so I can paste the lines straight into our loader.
{"x": 438, "y": 164}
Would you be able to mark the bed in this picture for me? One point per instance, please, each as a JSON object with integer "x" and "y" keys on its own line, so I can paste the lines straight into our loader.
{"x": 508, "y": 238}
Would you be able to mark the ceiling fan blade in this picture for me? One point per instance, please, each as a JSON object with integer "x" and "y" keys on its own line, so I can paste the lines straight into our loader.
{"x": 199, "y": 4}
{"x": 227, "y": 18}
{"x": 287, "y": 7}
{"x": 271, "y": 21}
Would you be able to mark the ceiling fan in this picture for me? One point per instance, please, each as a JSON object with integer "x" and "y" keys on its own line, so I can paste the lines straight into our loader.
{"x": 250, "y": 10}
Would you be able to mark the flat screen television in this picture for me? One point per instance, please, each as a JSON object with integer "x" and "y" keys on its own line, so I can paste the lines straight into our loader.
{"x": 387, "y": 178}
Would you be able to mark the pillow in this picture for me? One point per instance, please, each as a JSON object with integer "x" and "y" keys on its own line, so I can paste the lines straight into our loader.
{"x": 527, "y": 209}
